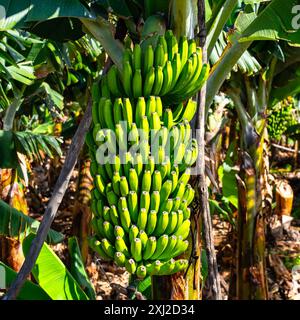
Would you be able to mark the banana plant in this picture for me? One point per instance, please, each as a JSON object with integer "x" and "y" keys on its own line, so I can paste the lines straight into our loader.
{"x": 255, "y": 23}
{"x": 54, "y": 280}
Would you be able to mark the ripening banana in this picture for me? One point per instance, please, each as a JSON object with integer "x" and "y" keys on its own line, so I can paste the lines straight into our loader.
{"x": 184, "y": 229}
{"x": 146, "y": 182}
{"x": 124, "y": 187}
{"x": 145, "y": 201}
{"x": 144, "y": 238}
{"x": 172, "y": 222}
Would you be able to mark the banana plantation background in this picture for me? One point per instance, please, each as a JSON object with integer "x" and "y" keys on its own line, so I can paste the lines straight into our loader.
{"x": 83, "y": 83}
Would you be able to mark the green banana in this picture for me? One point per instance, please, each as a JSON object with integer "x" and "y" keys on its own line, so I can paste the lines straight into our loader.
{"x": 142, "y": 219}
{"x": 159, "y": 80}
{"x": 159, "y": 56}
{"x": 141, "y": 272}
{"x": 113, "y": 81}
{"x": 116, "y": 183}
{"x": 149, "y": 59}
{"x": 100, "y": 184}
{"x": 155, "y": 201}
{"x": 137, "y": 86}
{"x": 133, "y": 206}
{"x": 150, "y": 106}
{"x": 120, "y": 259}
{"x": 150, "y": 248}
{"x": 119, "y": 232}
{"x": 166, "y": 190}
{"x": 128, "y": 113}
{"x": 172, "y": 223}
{"x": 108, "y": 115}
{"x": 168, "y": 78}
{"x": 124, "y": 187}
{"x": 159, "y": 106}
{"x": 150, "y": 165}
{"x": 125, "y": 219}
{"x": 144, "y": 238}
{"x": 151, "y": 222}
{"x": 133, "y": 232}
{"x": 133, "y": 180}
{"x": 153, "y": 268}
{"x": 184, "y": 229}
{"x": 108, "y": 249}
{"x": 167, "y": 268}
{"x": 127, "y": 78}
{"x": 168, "y": 252}
{"x": 122, "y": 203}
{"x": 180, "y": 265}
{"x": 162, "y": 243}
{"x": 108, "y": 230}
{"x": 162, "y": 223}
{"x": 145, "y": 201}
{"x": 140, "y": 111}
{"x": 156, "y": 181}
{"x": 136, "y": 249}
{"x": 106, "y": 214}
{"x": 130, "y": 266}
{"x": 167, "y": 206}
{"x": 149, "y": 82}
{"x": 146, "y": 181}
{"x": 96, "y": 246}
{"x": 137, "y": 57}
{"x": 121, "y": 246}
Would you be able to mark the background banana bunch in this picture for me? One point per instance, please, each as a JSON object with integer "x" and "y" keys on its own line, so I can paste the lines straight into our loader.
{"x": 142, "y": 152}
{"x": 167, "y": 68}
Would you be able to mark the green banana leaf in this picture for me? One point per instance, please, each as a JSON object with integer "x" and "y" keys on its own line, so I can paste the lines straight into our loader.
{"x": 15, "y": 224}
{"x": 29, "y": 291}
{"x": 274, "y": 23}
{"x": 78, "y": 270}
{"x": 19, "y": 13}
{"x": 52, "y": 275}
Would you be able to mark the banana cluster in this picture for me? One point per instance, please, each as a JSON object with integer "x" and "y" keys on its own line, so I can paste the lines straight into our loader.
{"x": 172, "y": 70}
{"x": 142, "y": 152}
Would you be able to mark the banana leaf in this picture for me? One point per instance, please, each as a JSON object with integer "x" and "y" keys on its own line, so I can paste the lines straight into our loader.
{"x": 15, "y": 224}
{"x": 78, "y": 270}
{"x": 29, "y": 291}
{"x": 52, "y": 275}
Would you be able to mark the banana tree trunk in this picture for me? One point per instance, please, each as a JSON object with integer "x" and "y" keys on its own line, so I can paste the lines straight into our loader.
{"x": 82, "y": 212}
{"x": 251, "y": 283}
{"x": 183, "y": 285}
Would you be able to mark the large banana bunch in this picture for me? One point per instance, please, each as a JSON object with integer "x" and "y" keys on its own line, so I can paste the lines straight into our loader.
{"x": 142, "y": 152}
{"x": 172, "y": 70}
